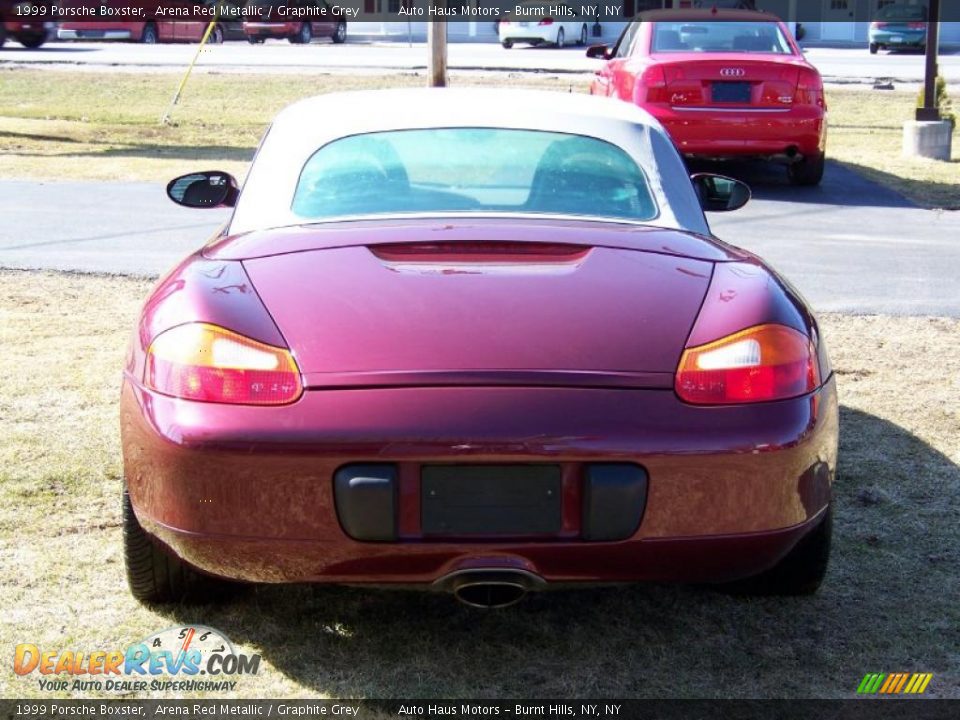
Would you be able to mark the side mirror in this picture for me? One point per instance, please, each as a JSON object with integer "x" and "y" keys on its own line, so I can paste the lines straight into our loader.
{"x": 599, "y": 51}
{"x": 718, "y": 193}
{"x": 210, "y": 189}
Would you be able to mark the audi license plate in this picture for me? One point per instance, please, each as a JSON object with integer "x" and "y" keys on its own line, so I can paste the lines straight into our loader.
{"x": 732, "y": 92}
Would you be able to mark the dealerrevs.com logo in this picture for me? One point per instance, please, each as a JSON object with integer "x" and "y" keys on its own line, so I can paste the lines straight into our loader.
{"x": 179, "y": 659}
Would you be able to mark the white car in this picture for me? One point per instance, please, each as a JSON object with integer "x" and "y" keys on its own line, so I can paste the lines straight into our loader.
{"x": 540, "y": 23}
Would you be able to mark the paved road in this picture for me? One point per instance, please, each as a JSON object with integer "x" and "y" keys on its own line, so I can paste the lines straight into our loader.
{"x": 849, "y": 245}
{"x": 837, "y": 65}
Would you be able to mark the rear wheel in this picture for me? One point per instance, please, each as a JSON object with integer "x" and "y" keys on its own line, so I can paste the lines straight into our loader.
{"x": 873, "y": 48}
{"x": 583, "y": 35}
{"x": 216, "y": 35}
{"x": 561, "y": 39}
{"x": 507, "y": 44}
{"x": 31, "y": 42}
{"x": 153, "y": 574}
{"x": 340, "y": 34}
{"x": 807, "y": 172}
{"x": 149, "y": 36}
{"x": 304, "y": 35}
{"x": 801, "y": 572}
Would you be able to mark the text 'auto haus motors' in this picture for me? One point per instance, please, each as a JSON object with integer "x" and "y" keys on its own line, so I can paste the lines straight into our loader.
{"x": 193, "y": 658}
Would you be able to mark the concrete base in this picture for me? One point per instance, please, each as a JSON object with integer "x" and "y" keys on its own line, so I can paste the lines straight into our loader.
{"x": 927, "y": 139}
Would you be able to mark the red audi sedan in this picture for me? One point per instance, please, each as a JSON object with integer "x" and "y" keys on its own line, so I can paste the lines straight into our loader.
{"x": 725, "y": 84}
{"x": 482, "y": 344}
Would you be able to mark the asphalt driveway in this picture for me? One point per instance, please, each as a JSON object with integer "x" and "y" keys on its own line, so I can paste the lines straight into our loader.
{"x": 849, "y": 245}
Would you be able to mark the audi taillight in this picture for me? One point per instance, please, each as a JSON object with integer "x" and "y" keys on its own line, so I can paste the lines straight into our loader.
{"x": 762, "y": 363}
{"x": 651, "y": 86}
{"x": 810, "y": 88}
{"x": 208, "y": 363}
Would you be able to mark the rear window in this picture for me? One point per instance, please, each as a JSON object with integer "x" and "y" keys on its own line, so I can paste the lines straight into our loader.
{"x": 902, "y": 12}
{"x": 457, "y": 170}
{"x": 720, "y": 36}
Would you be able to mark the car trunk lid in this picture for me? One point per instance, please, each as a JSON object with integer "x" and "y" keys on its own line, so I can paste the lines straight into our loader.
{"x": 428, "y": 313}
{"x": 732, "y": 81}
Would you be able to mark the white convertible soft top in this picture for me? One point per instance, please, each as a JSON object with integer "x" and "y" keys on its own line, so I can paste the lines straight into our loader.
{"x": 302, "y": 128}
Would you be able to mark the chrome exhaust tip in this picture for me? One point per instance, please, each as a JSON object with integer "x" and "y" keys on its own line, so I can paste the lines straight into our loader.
{"x": 490, "y": 595}
{"x": 489, "y": 589}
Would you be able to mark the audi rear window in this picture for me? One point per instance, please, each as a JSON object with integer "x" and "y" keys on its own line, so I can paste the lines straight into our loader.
{"x": 902, "y": 12}
{"x": 720, "y": 37}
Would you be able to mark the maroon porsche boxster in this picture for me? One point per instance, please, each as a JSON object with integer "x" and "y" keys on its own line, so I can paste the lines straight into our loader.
{"x": 484, "y": 343}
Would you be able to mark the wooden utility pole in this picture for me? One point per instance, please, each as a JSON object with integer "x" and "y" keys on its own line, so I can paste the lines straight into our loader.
{"x": 437, "y": 47}
{"x": 930, "y": 111}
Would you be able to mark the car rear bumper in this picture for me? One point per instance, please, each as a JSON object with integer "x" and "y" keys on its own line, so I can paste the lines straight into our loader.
{"x": 270, "y": 29}
{"x": 16, "y": 27}
{"x": 532, "y": 33}
{"x": 713, "y": 132}
{"x": 105, "y": 34}
{"x": 906, "y": 38}
{"x": 248, "y": 493}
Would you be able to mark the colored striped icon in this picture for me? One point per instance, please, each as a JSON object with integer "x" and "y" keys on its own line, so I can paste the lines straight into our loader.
{"x": 894, "y": 683}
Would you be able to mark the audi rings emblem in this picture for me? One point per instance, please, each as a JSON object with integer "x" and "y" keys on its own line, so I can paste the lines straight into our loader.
{"x": 732, "y": 72}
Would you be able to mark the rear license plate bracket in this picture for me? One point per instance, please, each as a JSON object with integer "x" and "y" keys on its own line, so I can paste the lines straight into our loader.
{"x": 486, "y": 500}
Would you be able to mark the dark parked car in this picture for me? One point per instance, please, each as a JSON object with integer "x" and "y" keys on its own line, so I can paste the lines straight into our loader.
{"x": 281, "y": 21}
{"x": 899, "y": 26}
{"x": 29, "y": 23}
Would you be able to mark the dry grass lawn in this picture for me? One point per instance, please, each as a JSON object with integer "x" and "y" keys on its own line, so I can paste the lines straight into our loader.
{"x": 105, "y": 126}
{"x": 889, "y": 603}
{"x": 866, "y": 134}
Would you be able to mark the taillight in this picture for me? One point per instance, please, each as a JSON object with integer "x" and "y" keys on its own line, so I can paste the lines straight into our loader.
{"x": 879, "y": 25}
{"x": 810, "y": 88}
{"x": 917, "y": 25}
{"x": 546, "y": 21}
{"x": 762, "y": 363}
{"x": 651, "y": 86}
{"x": 204, "y": 362}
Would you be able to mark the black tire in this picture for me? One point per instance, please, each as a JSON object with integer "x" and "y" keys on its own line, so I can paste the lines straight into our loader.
{"x": 807, "y": 172}
{"x": 583, "y": 36}
{"x": 507, "y": 44}
{"x": 873, "y": 48}
{"x": 149, "y": 35}
{"x": 216, "y": 36}
{"x": 801, "y": 572}
{"x": 304, "y": 35}
{"x": 156, "y": 576}
{"x": 561, "y": 38}
{"x": 3, "y": 35}
{"x": 340, "y": 34}
{"x": 32, "y": 42}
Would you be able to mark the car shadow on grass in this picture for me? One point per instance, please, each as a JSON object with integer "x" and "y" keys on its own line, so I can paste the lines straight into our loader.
{"x": 153, "y": 152}
{"x": 888, "y": 604}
